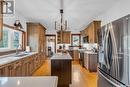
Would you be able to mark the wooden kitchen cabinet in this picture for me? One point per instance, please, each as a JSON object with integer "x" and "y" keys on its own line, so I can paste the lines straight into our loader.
{"x": 63, "y": 37}
{"x": 62, "y": 69}
{"x": 18, "y": 68}
{"x": 92, "y": 31}
{"x": 25, "y": 68}
{"x": 3, "y": 71}
{"x": 10, "y": 70}
{"x": 90, "y": 62}
{"x": 22, "y": 67}
{"x": 74, "y": 54}
{"x": 36, "y": 37}
{"x": 66, "y": 37}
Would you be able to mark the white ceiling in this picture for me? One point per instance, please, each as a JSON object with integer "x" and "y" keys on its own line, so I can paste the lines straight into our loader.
{"x": 78, "y": 12}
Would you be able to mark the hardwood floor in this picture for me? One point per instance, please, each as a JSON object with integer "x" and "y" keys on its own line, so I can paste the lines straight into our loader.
{"x": 80, "y": 76}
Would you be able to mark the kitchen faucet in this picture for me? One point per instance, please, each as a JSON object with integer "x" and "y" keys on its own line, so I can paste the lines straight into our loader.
{"x": 17, "y": 49}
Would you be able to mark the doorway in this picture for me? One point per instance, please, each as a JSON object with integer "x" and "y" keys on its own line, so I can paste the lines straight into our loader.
{"x": 50, "y": 45}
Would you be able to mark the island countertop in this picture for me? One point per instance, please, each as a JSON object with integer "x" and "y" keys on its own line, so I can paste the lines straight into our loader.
{"x": 42, "y": 81}
{"x": 60, "y": 56}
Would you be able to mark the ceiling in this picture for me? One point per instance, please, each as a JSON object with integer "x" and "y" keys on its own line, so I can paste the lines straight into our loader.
{"x": 78, "y": 13}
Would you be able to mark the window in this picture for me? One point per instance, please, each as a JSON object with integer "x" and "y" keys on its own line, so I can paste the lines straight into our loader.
{"x": 75, "y": 39}
{"x": 17, "y": 39}
{"x": 11, "y": 39}
{"x": 4, "y": 41}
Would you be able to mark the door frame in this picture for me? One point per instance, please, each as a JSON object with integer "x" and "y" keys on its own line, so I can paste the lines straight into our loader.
{"x": 52, "y": 35}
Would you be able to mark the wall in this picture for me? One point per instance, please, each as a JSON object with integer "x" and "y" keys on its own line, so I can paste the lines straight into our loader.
{"x": 10, "y": 20}
{"x": 120, "y": 9}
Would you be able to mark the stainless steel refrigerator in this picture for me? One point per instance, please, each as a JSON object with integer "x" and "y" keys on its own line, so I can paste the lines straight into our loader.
{"x": 114, "y": 54}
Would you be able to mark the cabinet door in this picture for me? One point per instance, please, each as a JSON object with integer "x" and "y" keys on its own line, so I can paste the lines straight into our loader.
{"x": 86, "y": 60}
{"x": 76, "y": 55}
{"x": 3, "y": 71}
{"x": 25, "y": 68}
{"x": 93, "y": 62}
{"x": 11, "y": 70}
{"x": 66, "y": 37}
{"x": 18, "y": 68}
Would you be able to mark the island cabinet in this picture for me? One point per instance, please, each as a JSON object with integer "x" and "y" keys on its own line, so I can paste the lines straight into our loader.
{"x": 21, "y": 67}
{"x": 61, "y": 66}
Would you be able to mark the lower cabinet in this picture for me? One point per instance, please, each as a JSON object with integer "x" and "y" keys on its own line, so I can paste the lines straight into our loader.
{"x": 17, "y": 68}
{"x": 74, "y": 54}
{"x": 10, "y": 70}
{"x": 3, "y": 71}
{"x": 22, "y": 67}
{"x": 90, "y": 62}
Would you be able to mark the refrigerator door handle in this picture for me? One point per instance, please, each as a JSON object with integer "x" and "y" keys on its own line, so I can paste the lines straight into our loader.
{"x": 106, "y": 48}
{"x": 109, "y": 80}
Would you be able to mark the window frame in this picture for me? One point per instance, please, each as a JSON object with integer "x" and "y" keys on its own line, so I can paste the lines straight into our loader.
{"x": 9, "y": 48}
{"x": 72, "y": 39}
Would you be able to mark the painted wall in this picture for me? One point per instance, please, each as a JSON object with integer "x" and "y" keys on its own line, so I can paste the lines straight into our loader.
{"x": 10, "y": 20}
{"x": 120, "y": 9}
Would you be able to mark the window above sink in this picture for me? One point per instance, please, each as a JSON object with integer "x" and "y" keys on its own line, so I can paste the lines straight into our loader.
{"x": 11, "y": 39}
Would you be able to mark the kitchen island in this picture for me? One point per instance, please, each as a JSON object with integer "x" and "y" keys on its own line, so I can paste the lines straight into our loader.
{"x": 43, "y": 81}
{"x": 61, "y": 66}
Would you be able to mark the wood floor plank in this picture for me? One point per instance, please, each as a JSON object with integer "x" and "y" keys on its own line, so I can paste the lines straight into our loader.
{"x": 80, "y": 76}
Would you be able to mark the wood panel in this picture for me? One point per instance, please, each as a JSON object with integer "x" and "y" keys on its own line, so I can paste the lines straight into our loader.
{"x": 63, "y": 37}
{"x": 62, "y": 69}
{"x": 36, "y": 37}
{"x": 91, "y": 31}
{"x": 66, "y": 37}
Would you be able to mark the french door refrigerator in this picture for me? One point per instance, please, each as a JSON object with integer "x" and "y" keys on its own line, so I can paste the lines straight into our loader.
{"x": 114, "y": 54}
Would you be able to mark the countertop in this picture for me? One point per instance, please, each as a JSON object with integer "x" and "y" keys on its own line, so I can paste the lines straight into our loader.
{"x": 42, "y": 81}
{"x": 12, "y": 57}
{"x": 88, "y": 52}
{"x": 60, "y": 56}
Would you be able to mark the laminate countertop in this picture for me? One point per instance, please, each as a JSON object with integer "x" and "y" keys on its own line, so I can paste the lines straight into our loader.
{"x": 13, "y": 57}
{"x": 61, "y": 56}
{"x": 42, "y": 81}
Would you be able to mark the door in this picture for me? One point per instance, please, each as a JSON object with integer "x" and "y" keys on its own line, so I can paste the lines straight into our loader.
{"x": 51, "y": 45}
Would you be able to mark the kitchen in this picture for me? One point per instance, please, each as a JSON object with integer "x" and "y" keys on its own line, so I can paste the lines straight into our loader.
{"x": 58, "y": 44}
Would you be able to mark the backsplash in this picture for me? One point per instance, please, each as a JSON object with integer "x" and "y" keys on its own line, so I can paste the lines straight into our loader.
{"x": 90, "y": 46}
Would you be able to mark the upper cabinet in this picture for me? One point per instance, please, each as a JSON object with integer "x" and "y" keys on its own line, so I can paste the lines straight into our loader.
{"x": 36, "y": 37}
{"x": 1, "y": 19}
{"x": 92, "y": 31}
{"x": 63, "y": 37}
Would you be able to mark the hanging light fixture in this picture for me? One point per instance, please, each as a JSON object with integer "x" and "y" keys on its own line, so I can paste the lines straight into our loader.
{"x": 18, "y": 25}
{"x": 62, "y": 25}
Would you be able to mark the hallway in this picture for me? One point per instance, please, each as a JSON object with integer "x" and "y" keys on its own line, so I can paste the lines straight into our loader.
{"x": 80, "y": 76}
